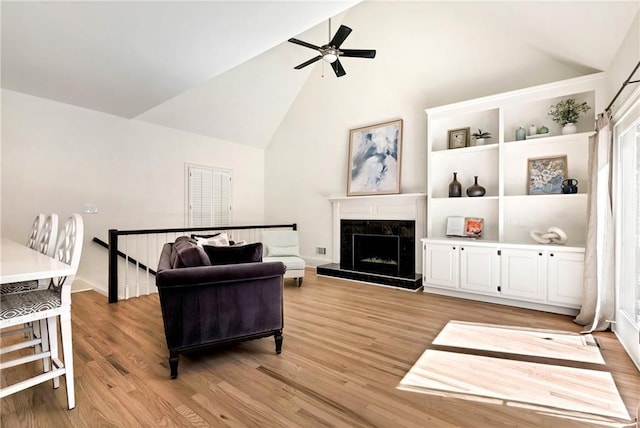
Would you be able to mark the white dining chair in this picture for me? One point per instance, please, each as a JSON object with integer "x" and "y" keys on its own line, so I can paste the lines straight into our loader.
{"x": 48, "y": 304}
{"x": 48, "y": 235}
{"x": 38, "y": 222}
{"x": 45, "y": 244}
{"x": 42, "y": 238}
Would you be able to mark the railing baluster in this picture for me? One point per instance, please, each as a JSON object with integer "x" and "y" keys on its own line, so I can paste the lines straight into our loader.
{"x": 126, "y": 268}
{"x": 113, "y": 265}
{"x": 137, "y": 237}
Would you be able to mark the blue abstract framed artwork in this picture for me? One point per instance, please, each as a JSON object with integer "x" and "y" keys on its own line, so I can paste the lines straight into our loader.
{"x": 374, "y": 159}
{"x": 545, "y": 175}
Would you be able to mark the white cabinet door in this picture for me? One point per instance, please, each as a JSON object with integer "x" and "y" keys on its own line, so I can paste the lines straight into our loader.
{"x": 479, "y": 269}
{"x": 564, "y": 279}
{"x": 523, "y": 274}
{"x": 441, "y": 265}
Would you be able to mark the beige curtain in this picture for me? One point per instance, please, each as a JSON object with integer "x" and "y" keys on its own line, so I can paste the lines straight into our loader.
{"x": 598, "y": 294}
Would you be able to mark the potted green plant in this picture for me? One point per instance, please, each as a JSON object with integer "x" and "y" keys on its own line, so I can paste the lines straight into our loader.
{"x": 567, "y": 112}
{"x": 480, "y": 136}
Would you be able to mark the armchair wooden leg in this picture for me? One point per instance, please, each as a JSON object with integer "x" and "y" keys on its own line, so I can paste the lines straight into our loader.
{"x": 173, "y": 363}
{"x": 278, "y": 337}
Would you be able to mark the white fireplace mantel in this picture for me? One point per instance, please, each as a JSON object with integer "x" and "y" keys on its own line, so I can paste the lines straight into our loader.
{"x": 402, "y": 206}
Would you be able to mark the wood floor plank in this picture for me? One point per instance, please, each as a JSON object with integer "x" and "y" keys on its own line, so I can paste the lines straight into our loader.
{"x": 346, "y": 348}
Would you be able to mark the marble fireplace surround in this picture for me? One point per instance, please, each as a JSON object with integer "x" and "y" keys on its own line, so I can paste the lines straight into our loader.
{"x": 403, "y": 206}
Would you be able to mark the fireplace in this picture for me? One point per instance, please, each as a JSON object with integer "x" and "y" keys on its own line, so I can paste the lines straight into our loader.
{"x": 385, "y": 247}
{"x": 379, "y": 251}
{"x": 375, "y": 239}
{"x": 376, "y": 254}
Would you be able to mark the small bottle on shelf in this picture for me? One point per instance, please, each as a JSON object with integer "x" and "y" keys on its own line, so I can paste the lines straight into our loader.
{"x": 455, "y": 188}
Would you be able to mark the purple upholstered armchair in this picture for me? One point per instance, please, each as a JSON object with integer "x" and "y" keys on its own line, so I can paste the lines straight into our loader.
{"x": 205, "y": 305}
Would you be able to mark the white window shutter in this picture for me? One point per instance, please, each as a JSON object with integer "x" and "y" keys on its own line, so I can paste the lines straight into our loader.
{"x": 221, "y": 198}
{"x": 209, "y": 197}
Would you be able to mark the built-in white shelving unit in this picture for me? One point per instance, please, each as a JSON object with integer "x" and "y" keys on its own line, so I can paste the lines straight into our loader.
{"x": 530, "y": 271}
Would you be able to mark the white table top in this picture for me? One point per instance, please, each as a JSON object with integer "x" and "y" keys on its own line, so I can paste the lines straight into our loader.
{"x": 20, "y": 263}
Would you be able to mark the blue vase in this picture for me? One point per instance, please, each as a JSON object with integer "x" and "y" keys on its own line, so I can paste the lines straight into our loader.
{"x": 521, "y": 134}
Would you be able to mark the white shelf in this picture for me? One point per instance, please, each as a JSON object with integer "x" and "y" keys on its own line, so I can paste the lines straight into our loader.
{"x": 467, "y": 198}
{"x": 506, "y": 264}
{"x": 502, "y": 165}
{"x": 551, "y": 139}
{"x": 541, "y": 198}
{"x": 465, "y": 150}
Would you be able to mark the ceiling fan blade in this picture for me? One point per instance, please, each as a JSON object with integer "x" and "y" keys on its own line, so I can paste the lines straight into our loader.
{"x": 337, "y": 67}
{"x": 358, "y": 53}
{"x": 305, "y": 44}
{"x": 311, "y": 61}
{"x": 340, "y": 36}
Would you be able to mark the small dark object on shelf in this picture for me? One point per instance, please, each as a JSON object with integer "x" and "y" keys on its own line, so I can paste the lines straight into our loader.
{"x": 455, "y": 188}
{"x": 476, "y": 190}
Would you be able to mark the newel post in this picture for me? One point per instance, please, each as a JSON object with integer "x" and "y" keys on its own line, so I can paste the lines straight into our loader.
{"x": 113, "y": 265}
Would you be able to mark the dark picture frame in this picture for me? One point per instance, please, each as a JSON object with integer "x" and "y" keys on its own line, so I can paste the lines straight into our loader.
{"x": 458, "y": 138}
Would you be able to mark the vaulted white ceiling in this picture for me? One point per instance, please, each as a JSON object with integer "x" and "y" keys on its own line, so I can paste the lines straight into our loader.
{"x": 224, "y": 69}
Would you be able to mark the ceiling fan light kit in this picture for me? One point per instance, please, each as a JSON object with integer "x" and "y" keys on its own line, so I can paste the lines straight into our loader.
{"x": 331, "y": 52}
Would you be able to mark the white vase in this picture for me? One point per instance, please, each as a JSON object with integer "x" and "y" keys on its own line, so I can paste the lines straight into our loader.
{"x": 569, "y": 128}
{"x": 479, "y": 141}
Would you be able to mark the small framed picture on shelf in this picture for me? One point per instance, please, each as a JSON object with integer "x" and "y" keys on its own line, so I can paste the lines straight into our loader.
{"x": 545, "y": 175}
{"x": 458, "y": 138}
{"x": 465, "y": 227}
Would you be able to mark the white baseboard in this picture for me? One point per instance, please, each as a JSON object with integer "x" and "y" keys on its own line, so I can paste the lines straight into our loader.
{"x": 82, "y": 284}
{"x": 316, "y": 261}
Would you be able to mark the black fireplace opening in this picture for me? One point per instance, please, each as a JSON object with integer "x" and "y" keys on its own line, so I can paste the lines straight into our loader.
{"x": 376, "y": 254}
{"x": 383, "y": 247}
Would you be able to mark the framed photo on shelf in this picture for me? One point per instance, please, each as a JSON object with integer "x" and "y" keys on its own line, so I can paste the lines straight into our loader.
{"x": 458, "y": 138}
{"x": 465, "y": 227}
{"x": 545, "y": 175}
{"x": 375, "y": 154}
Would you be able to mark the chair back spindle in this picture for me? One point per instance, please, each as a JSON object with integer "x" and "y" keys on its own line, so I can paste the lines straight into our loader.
{"x": 47, "y": 237}
{"x": 32, "y": 241}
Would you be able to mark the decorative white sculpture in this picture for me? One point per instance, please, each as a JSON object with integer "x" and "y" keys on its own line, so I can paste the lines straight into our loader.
{"x": 554, "y": 235}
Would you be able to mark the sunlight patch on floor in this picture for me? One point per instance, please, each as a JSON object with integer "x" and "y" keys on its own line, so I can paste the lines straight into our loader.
{"x": 523, "y": 341}
{"x": 563, "y": 391}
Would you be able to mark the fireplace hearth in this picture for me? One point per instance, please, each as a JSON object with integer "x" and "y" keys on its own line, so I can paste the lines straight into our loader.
{"x": 378, "y": 251}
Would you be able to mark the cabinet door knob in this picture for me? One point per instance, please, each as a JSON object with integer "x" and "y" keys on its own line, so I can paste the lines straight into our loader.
{"x": 551, "y": 254}
{"x": 454, "y": 248}
{"x": 462, "y": 248}
{"x": 539, "y": 254}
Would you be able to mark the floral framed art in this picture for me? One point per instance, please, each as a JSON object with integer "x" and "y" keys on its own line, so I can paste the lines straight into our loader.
{"x": 458, "y": 138}
{"x": 545, "y": 175}
{"x": 375, "y": 154}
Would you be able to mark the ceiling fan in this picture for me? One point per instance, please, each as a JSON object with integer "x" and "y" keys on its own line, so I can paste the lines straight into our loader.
{"x": 331, "y": 52}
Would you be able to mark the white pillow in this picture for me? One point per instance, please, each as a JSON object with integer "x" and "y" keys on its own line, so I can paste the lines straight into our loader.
{"x": 221, "y": 240}
{"x": 273, "y": 251}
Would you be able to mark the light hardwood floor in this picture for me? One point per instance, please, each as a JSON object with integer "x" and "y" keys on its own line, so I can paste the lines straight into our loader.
{"x": 346, "y": 347}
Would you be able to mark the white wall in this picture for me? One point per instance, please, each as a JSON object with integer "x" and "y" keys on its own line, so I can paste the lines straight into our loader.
{"x": 306, "y": 160}
{"x": 56, "y": 157}
{"x": 625, "y": 59}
